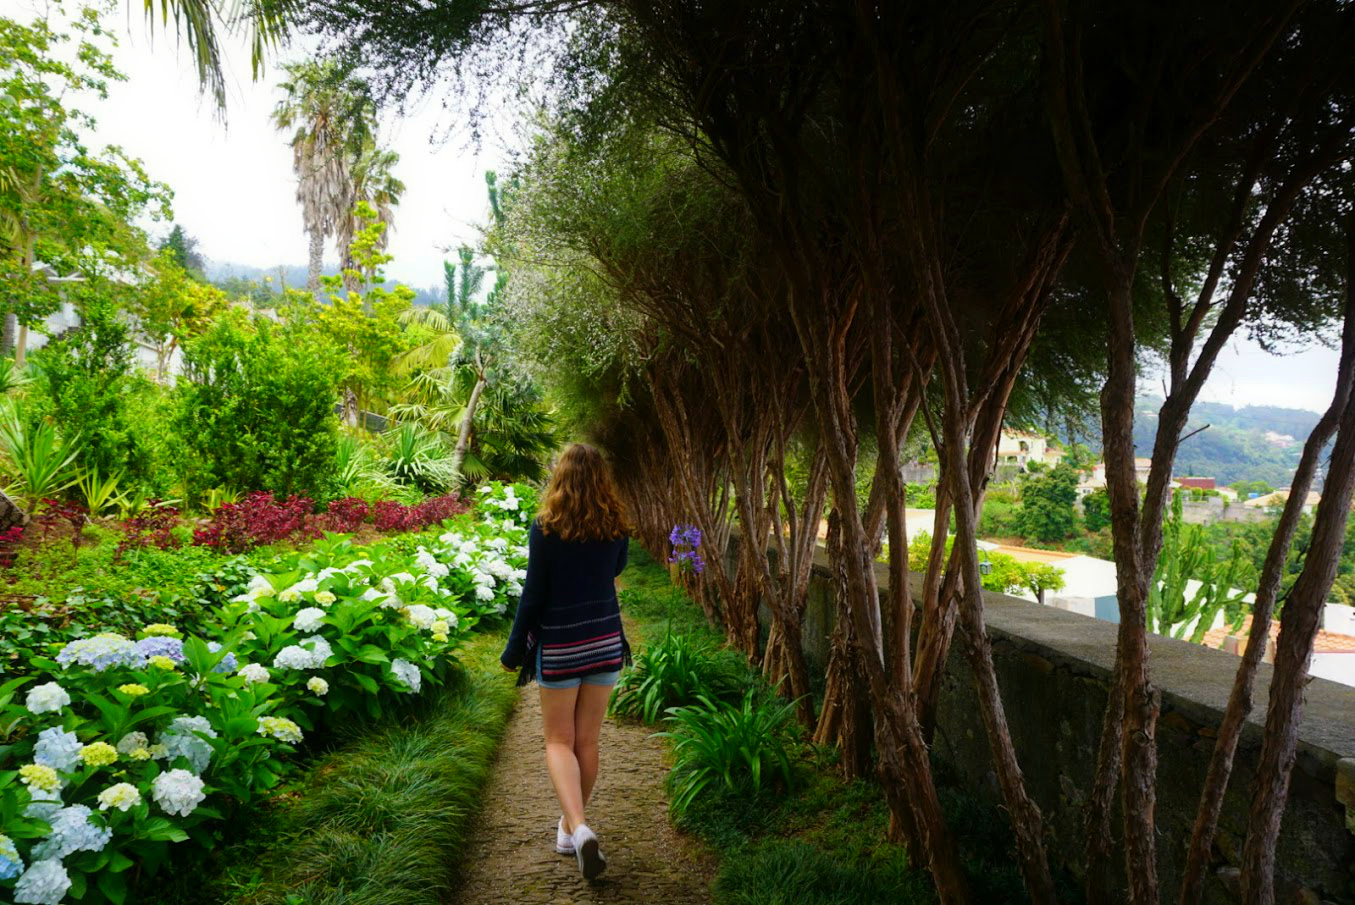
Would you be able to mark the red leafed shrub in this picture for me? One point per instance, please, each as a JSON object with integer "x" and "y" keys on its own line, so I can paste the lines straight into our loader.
{"x": 439, "y": 509}
{"x": 344, "y": 516}
{"x": 389, "y": 516}
{"x": 256, "y": 520}
{"x": 58, "y": 511}
{"x": 9, "y": 545}
{"x": 154, "y": 527}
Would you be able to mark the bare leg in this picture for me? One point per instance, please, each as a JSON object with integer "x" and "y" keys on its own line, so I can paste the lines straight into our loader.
{"x": 588, "y": 716}
{"x": 557, "y": 715}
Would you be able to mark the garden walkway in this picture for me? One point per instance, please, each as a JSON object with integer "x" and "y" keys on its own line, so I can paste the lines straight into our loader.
{"x": 513, "y": 859}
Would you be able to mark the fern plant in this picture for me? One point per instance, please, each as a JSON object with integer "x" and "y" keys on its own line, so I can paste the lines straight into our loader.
{"x": 733, "y": 748}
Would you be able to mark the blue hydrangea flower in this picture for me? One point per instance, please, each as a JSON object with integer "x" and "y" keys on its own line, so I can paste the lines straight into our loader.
{"x": 11, "y": 865}
{"x": 181, "y": 739}
{"x": 72, "y": 832}
{"x": 229, "y": 663}
{"x": 161, "y": 646}
{"x": 101, "y": 652}
{"x": 58, "y": 749}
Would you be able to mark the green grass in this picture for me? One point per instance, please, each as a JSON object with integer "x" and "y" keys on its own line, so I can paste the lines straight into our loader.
{"x": 825, "y": 841}
{"x": 380, "y": 819}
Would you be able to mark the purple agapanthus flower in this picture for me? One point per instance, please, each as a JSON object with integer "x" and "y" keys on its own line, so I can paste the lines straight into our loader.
{"x": 686, "y": 555}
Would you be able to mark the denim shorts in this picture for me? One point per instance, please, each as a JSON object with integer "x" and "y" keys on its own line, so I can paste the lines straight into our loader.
{"x": 597, "y": 678}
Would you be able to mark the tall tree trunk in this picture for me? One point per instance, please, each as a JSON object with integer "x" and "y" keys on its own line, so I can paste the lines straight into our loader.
{"x": 9, "y": 334}
{"x": 1141, "y": 701}
{"x": 21, "y": 347}
{"x": 468, "y": 419}
{"x": 1298, "y": 629}
{"x": 1268, "y": 588}
{"x": 316, "y": 265}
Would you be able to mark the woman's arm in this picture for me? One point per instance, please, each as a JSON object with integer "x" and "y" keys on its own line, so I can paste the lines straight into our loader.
{"x": 531, "y": 602}
{"x": 622, "y": 556}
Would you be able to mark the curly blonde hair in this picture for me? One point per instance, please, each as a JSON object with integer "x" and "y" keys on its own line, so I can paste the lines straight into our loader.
{"x": 581, "y": 501}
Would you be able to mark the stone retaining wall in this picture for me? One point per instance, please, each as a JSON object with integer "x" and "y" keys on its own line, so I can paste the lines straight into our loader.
{"x": 1054, "y": 668}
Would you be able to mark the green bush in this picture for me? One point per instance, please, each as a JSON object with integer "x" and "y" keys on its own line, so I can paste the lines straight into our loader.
{"x": 732, "y": 748}
{"x": 85, "y": 381}
{"x": 1096, "y": 510}
{"x": 1047, "y": 510}
{"x": 674, "y": 671}
{"x": 256, "y": 410}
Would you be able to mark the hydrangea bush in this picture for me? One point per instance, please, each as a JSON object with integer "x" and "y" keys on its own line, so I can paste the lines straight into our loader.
{"x": 113, "y": 748}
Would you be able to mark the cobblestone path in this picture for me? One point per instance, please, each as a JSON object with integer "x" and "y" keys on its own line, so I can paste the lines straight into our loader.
{"x": 512, "y": 860}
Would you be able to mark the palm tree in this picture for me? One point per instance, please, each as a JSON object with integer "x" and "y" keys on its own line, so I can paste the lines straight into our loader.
{"x": 332, "y": 117}
{"x": 201, "y": 22}
{"x": 374, "y": 182}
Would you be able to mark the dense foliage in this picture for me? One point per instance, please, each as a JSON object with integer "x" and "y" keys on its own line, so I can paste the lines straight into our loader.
{"x": 118, "y": 746}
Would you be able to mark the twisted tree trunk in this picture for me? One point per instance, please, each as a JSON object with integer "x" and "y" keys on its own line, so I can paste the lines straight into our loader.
{"x": 1268, "y": 588}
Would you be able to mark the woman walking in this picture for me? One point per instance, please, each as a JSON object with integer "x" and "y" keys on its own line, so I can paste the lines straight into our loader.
{"x": 568, "y": 636}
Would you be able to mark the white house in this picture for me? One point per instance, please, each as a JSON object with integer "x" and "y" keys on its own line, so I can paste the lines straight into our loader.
{"x": 1020, "y": 448}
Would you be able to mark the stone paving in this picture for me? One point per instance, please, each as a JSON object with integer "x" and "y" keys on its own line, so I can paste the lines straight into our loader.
{"x": 513, "y": 859}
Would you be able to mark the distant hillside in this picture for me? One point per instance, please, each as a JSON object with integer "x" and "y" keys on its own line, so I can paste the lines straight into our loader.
{"x": 294, "y": 277}
{"x": 1258, "y": 442}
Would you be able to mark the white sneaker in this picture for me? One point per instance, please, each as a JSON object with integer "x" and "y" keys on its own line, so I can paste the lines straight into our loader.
{"x": 564, "y": 842}
{"x": 591, "y": 861}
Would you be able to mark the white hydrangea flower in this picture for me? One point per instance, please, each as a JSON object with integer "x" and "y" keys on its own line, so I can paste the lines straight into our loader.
{"x": 404, "y": 577}
{"x": 484, "y": 488}
{"x": 47, "y": 698}
{"x": 318, "y": 685}
{"x": 500, "y": 608}
{"x": 44, "y": 883}
{"x": 422, "y": 616}
{"x": 133, "y": 741}
{"x": 320, "y": 649}
{"x": 306, "y": 585}
{"x": 258, "y": 587}
{"x": 461, "y": 560}
{"x": 58, "y": 749}
{"x": 497, "y": 543}
{"x": 357, "y": 564}
{"x": 325, "y": 598}
{"x": 294, "y": 656}
{"x": 72, "y": 832}
{"x": 309, "y": 619}
{"x": 289, "y": 596}
{"x": 124, "y": 796}
{"x": 178, "y": 792}
{"x": 407, "y": 673}
{"x": 254, "y": 673}
{"x": 182, "y": 739}
{"x": 280, "y": 728}
{"x": 327, "y": 572}
{"x": 514, "y": 589}
{"x": 484, "y": 592}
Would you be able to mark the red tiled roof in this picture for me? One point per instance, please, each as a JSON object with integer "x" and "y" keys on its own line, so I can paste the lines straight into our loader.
{"x": 1325, "y": 643}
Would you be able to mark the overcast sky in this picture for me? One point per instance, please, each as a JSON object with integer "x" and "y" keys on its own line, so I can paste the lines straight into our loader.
{"x": 235, "y": 191}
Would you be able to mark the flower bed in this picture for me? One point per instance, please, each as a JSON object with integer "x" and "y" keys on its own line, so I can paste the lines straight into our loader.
{"x": 119, "y": 747}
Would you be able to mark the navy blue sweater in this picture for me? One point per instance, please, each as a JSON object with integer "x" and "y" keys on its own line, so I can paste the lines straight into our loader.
{"x": 568, "y": 608}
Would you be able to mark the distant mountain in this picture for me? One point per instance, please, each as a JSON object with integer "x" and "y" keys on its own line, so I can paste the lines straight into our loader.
{"x": 1255, "y": 442}
{"x": 294, "y": 277}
